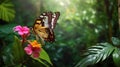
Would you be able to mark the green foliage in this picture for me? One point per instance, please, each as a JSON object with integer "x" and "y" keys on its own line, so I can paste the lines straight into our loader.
{"x": 17, "y": 51}
{"x": 96, "y": 54}
{"x": 15, "y": 54}
{"x": 7, "y": 12}
{"x": 100, "y": 52}
{"x": 115, "y": 41}
{"x": 6, "y": 40}
{"x": 7, "y": 57}
{"x": 116, "y": 57}
{"x": 6, "y": 34}
{"x": 45, "y": 56}
{"x": 82, "y": 24}
{"x": 6, "y": 29}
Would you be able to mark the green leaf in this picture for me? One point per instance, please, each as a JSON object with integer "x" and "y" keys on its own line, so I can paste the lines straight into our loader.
{"x": 7, "y": 33}
{"x": 96, "y": 54}
{"x": 7, "y": 12}
{"x": 39, "y": 60}
{"x": 6, "y": 30}
{"x": 116, "y": 57}
{"x": 115, "y": 41}
{"x": 17, "y": 51}
{"x": 13, "y": 54}
{"x": 35, "y": 62}
{"x": 45, "y": 56}
{"x": 7, "y": 55}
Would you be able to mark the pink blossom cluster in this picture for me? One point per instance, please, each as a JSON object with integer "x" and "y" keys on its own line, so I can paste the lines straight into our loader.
{"x": 33, "y": 48}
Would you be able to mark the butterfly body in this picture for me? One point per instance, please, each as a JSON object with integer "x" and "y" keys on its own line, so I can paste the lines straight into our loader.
{"x": 44, "y": 25}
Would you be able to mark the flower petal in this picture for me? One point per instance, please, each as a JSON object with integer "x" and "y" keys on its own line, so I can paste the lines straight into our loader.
{"x": 26, "y": 28}
{"x": 28, "y": 50}
{"x": 37, "y": 50}
{"x": 22, "y": 30}
{"x": 17, "y": 28}
{"x": 35, "y": 54}
{"x": 20, "y": 33}
{"x": 25, "y": 32}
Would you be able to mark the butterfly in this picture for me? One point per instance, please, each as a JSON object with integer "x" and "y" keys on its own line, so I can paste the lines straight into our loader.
{"x": 45, "y": 24}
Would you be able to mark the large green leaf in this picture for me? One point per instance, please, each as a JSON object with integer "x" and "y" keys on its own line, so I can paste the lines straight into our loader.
{"x": 39, "y": 60}
{"x": 45, "y": 56}
{"x": 35, "y": 62}
{"x": 7, "y": 12}
{"x": 13, "y": 54}
{"x": 6, "y": 30}
{"x": 96, "y": 54}
{"x": 17, "y": 51}
{"x": 116, "y": 57}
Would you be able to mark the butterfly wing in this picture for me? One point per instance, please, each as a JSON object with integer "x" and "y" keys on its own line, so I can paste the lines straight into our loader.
{"x": 39, "y": 29}
{"x": 44, "y": 25}
{"x": 55, "y": 18}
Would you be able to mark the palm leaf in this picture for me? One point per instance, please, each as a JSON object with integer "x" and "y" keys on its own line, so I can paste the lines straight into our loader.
{"x": 7, "y": 12}
{"x": 96, "y": 54}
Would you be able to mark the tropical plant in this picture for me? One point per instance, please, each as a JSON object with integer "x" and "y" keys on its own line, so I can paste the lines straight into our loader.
{"x": 7, "y": 12}
{"x": 100, "y": 52}
{"x": 14, "y": 54}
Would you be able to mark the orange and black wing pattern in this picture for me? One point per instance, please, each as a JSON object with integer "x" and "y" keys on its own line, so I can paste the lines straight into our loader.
{"x": 45, "y": 24}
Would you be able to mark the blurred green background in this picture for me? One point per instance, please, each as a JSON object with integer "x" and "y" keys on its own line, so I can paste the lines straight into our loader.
{"x": 82, "y": 23}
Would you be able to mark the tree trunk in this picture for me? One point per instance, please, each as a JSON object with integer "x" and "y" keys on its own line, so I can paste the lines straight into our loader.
{"x": 109, "y": 15}
{"x": 119, "y": 12}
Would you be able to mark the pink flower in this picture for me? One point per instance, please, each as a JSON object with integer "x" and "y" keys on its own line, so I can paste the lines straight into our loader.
{"x": 36, "y": 53}
{"x": 33, "y": 49}
{"x": 28, "y": 49}
{"x": 22, "y": 30}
